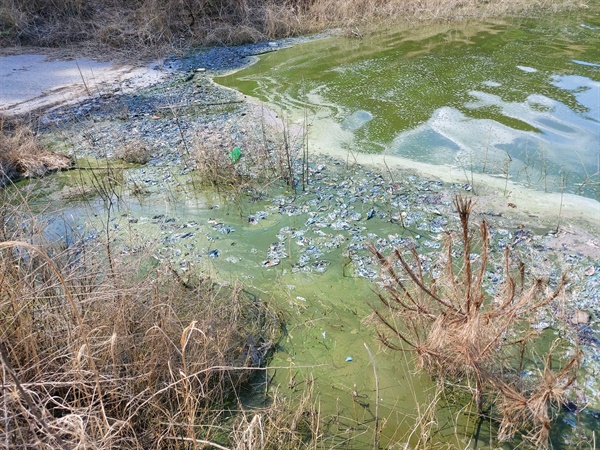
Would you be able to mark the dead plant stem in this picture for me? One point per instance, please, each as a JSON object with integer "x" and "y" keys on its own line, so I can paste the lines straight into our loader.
{"x": 376, "y": 430}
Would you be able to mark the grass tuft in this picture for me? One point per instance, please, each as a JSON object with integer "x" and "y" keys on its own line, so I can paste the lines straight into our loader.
{"x": 22, "y": 155}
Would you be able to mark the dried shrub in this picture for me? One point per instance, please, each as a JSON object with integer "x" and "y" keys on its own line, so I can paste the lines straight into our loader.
{"x": 269, "y": 156}
{"x": 461, "y": 335}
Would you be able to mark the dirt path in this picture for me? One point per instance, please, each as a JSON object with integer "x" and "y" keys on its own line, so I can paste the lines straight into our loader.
{"x": 32, "y": 81}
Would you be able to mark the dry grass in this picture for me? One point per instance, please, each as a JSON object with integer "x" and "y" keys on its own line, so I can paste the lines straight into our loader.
{"x": 134, "y": 152}
{"x": 461, "y": 336}
{"x": 282, "y": 425}
{"x": 95, "y": 355}
{"x": 269, "y": 155}
{"x": 22, "y": 155}
{"x": 151, "y": 25}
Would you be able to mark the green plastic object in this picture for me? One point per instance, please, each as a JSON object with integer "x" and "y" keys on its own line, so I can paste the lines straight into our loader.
{"x": 235, "y": 154}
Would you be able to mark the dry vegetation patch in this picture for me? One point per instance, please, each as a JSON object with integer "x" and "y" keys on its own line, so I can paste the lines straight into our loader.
{"x": 267, "y": 155}
{"x": 463, "y": 336}
{"x": 22, "y": 155}
{"x": 134, "y": 152}
{"x": 96, "y": 355}
{"x": 149, "y": 25}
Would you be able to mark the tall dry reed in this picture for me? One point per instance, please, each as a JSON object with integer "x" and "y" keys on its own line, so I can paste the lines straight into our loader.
{"x": 106, "y": 356}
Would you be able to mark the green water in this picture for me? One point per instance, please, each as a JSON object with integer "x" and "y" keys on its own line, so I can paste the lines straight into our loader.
{"x": 516, "y": 99}
{"x": 326, "y": 337}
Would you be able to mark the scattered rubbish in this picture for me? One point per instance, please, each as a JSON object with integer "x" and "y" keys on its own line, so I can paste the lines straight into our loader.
{"x": 270, "y": 262}
{"x": 348, "y": 358}
{"x": 235, "y": 154}
{"x": 214, "y": 253}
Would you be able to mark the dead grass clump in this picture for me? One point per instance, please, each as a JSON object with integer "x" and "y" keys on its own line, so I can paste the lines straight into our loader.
{"x": 284, "y": 423}
{"x": 95, "y": 356}
{"x": 47, "y": 22}
{"x": 462, "y": 335}
{"x": 264, "y": 158}
{"x": 22, "y": 155}
{"x": 135, "y": 152}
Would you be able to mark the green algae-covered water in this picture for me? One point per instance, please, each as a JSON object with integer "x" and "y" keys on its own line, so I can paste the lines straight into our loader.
{"x": 304, "y": 253}
{"x": 515, "y": 99}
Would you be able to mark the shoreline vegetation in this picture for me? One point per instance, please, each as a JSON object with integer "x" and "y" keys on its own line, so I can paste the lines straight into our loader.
{"x": 151, "y": 27}
{"x": 102, "y": 349}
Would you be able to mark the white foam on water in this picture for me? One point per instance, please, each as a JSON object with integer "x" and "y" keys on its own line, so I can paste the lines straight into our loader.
{"x": 527, "y": 69}
{"x": 491, "y": 83}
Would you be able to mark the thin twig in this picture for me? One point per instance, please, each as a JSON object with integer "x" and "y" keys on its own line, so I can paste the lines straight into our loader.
{"x": 376, "y": 431}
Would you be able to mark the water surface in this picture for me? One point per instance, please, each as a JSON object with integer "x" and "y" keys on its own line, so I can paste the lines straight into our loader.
{"x": 515, "y": 99}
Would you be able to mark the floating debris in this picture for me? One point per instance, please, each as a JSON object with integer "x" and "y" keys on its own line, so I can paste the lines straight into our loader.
{"x": 320, "y": 266}
{"x": 176, "y": 237}
{"x": 257, "y": 217}
{"x": 222, "y": 228}
{"x": 270, "y": 263}
{"x": 340, "y": 225}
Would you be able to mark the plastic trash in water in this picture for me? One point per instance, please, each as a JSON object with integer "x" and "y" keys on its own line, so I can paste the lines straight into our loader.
{"x": 235, "y": 154}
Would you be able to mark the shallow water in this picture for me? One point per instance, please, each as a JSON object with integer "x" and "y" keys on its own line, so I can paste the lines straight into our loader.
{"x": 304, "y": 253}
{"x": 438, "y": 93}
{"x": 516, "y": 99}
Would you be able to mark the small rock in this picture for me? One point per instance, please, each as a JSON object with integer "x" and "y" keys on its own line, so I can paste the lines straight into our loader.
{"x": 580, "y": 318}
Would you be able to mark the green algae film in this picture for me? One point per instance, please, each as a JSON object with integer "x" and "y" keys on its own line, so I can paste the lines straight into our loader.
{"x": 516, "y": 99}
